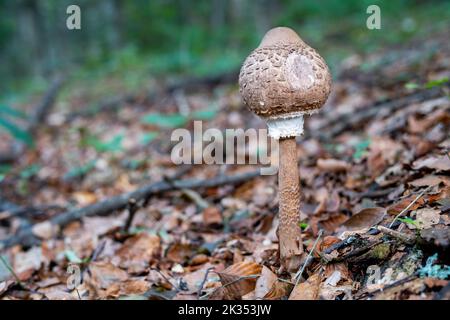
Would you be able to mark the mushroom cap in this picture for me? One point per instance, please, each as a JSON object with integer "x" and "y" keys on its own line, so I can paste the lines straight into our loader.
{"x": 284, "y": 77}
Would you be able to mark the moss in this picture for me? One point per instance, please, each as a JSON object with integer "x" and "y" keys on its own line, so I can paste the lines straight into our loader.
{"x": 381, "y": 251}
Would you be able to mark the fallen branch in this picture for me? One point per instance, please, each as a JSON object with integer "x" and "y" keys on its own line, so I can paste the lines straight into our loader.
{"x": 105, "y": 207}
{"x": 335, "y": 126}
{"x": 406, "y": 238}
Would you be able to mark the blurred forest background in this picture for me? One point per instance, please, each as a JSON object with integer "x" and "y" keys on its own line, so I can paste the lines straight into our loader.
{"x": 133, "y": 40}
{"x": 86, "y": 176}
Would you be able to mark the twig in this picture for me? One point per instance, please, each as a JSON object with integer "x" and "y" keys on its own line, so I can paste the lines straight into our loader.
{"x": 335, "y": 126}
{"x": 409, "y": 205}
{"x": 132, "y": 209}
{"x": 200, "y": 288}
{"x": 105, "y": 207}
{"x": 299, "y": 273}
{"x": 406, "y": 238}
{"x": 10, "y": 269}
{"x": 355, "y": 252}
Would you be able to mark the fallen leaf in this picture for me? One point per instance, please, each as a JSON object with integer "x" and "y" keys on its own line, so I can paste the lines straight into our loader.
{"x": 45, "y": 230}
{"x": 239, "y": 279}
{"x": 212, "y": 216}
{"x": 308, "y": 290}
{"x": 332, "y": 165}
{"x": 365, "y": 218}
{"x": 84, "y": 197}
{"x": 279, "y": 290}
{"x": 25, "y": 263}
{"x": 401, "y": 205}
{"x": 134, "y": 287}
{"x": 440, "y": 163}
{"x": 265, "y": 282}
{"x": 137, "y": 252}
{"x": 180, "y": 252}
{"x": 429, "y": 180}
{"x": 426, "y": 218}
{"x": 104, "y": 274}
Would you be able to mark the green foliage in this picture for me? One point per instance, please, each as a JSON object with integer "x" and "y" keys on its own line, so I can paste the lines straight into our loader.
{"x": 72, "y": 257}
{"x": 113, "y": 145}
{"x": 428, "y": 85}
{"x": 303, "y": 225}
{"x": 205, "y": 114}
{"x": 80, "y": 171}
{"x": 361, "y": 148}
{"x": 436, "y": 83}
{"x": 165, "y": 120}
{"x": 148, "y": 137}
{"x": 409, "y": 221}
{"x": 12, "y": 128}
{"x": 8, "y": 111}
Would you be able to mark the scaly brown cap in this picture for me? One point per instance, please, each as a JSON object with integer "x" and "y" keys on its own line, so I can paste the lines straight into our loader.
{"x": 284, "y": 77}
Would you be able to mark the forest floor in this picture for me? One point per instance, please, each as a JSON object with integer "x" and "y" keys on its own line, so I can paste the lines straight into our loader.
{"x": 375, "y": 181}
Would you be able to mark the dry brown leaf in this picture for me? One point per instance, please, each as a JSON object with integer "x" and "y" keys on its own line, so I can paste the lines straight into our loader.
{"x": 137, "y": 252}
{"x": 25, "y": 263}
{"x": 426, "y": 218}
{"x": 308, "y": 290}
{"x": 401, "y": 205}
{"x": 429, "y": 180}
{"x": 45, "y": 230}
{"x": 440, "y": 163}
{"x": 239, "y": 279}
{"x": 265, "y": 282}
{"x": 280, "y": 289}
{"x": 332, "y": 165}
{"x": 134, "y": 286}
{"x": 180, "y": 252}
{"x": 444, "y": 193}
{"x": 333, "y": 222}
{"x": 365, "y": 218}
{"x": 212, "y": 216}
{"x": 104, "y": 274}
{"x": 84, "y": 197}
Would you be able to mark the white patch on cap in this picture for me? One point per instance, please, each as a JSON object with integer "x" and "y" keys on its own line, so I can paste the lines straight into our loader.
{"x": 285, "y": 127}
{"x": 299, "y": 72}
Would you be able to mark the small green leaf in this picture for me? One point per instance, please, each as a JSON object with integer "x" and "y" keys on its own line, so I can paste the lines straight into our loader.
{"x": 408, "y": 220}
{"x": 303, "y": 225}
{"x": 412, "y": 86}
{"x": 16, "y": 132}
{"x": 148, "y": 137}
{"x": 114, "y": 145}
{"x": 361, "y": 148}
{"x": 165, "y": 120}
{"x": 205, "y": 114}
{"x": 30, "y": 171}
{"x": 80, "y": 171}
{"x": 5, "y": 168}
{"x": 436, "y": 83}
{"x": 12, "y": 112}
{"x": 72, "y": 257}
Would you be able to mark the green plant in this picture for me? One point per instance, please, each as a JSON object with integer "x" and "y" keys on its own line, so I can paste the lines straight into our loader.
{"x": 6, "y": 122}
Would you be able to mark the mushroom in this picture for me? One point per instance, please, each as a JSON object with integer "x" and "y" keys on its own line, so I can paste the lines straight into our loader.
{"x": 280, "y": 81}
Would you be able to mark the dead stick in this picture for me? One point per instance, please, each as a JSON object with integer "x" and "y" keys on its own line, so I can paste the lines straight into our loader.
{"x": 105, "y": 207}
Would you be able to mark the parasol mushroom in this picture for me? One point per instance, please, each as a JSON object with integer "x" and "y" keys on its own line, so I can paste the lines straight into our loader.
{"x": 280, "y": 81}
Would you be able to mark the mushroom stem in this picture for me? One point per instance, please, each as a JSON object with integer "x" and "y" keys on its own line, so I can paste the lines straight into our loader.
{"x": 289, "y": 232}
